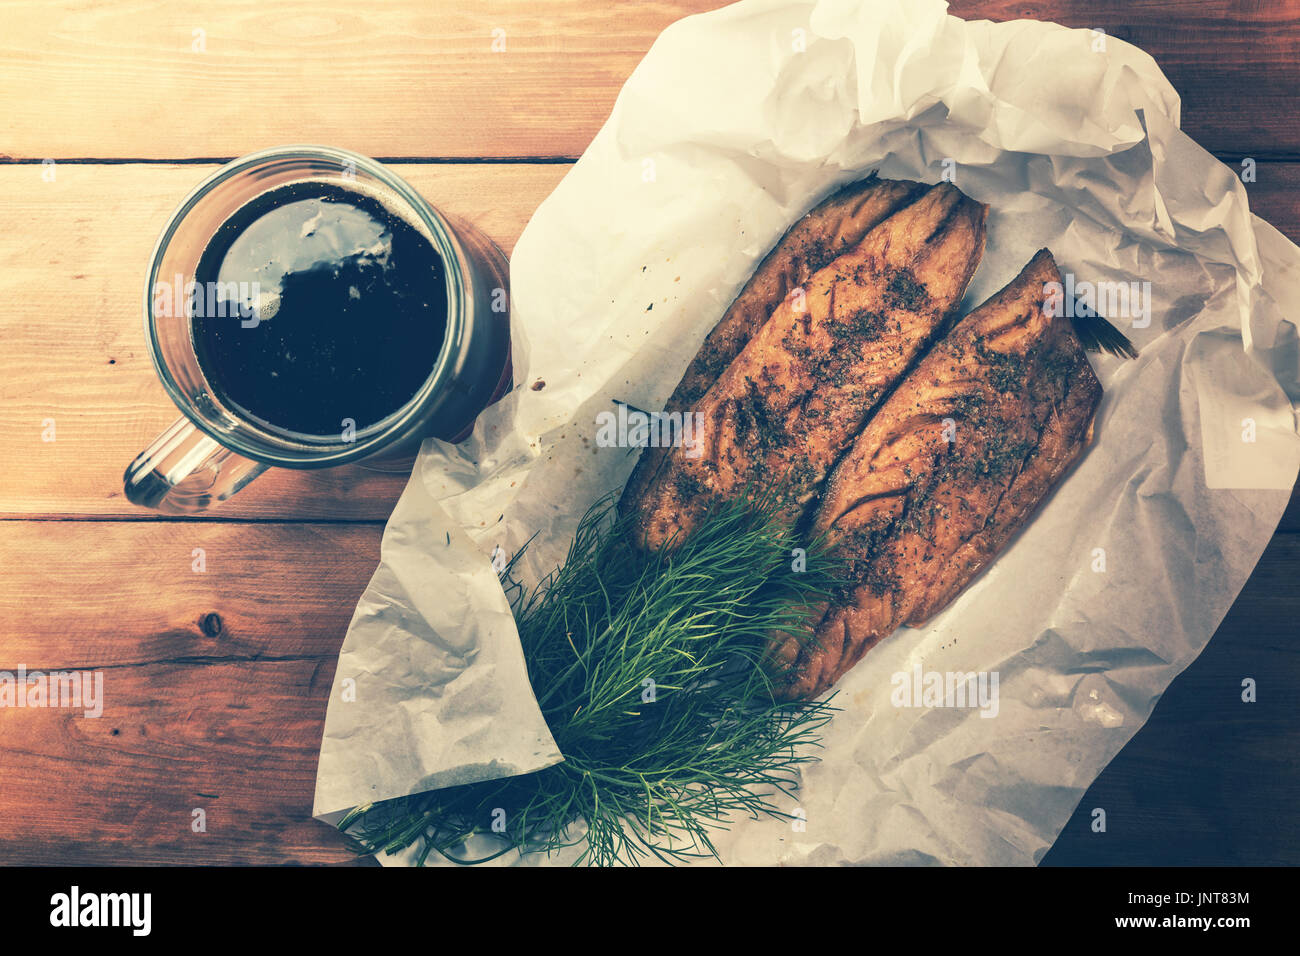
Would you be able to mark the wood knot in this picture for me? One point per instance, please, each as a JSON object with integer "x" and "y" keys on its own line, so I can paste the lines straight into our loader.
{"x": 211, "y": 624}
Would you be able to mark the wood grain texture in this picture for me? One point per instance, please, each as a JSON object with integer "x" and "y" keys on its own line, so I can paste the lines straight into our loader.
{"x": 124, "y": 80}
{"x": 228, "y": 717}
{"x": 78, "y": 357}
{"x": 1275, "y": 196}
{"x": 410, "y": 78}
{"x": 214, "y": 686}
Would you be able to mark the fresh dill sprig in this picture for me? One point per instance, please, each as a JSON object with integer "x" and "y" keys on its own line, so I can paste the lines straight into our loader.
{"x": 650, "y": 672}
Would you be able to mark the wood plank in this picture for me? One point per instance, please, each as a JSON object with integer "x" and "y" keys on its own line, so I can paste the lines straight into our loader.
{"x": 410, "y": 78}
{"x": 228, "y": 718}
{"x": 78, "y": 357}
{"x": 1275, "y": 196}
{"x": 214, "y": 688}
{"x": 1235, "y": 65}
{"x": 419, "y": 78}
{"x": 1290, "y": 521}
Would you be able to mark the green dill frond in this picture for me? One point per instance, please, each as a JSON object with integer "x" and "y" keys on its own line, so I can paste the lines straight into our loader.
{"x": 650, "y": 671}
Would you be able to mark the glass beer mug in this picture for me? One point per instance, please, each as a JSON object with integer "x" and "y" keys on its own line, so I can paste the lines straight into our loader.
{"x": 219, "y": 445}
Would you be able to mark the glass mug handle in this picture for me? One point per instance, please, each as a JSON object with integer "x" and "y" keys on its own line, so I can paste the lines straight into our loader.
{"x": 184, "y": 471}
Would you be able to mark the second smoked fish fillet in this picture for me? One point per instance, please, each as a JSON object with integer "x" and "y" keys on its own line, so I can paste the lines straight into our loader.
{"x": 825, "y": 232}
{"x": 953, "y": 464}
{"x": 779, "y": 415}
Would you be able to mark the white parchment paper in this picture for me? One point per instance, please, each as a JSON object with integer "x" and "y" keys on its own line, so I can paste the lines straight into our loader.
{"x": 737, "y": 122}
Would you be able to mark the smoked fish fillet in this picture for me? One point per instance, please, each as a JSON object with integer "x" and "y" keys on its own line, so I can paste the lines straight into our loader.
{"x": 949, "y": 468}
{"x": 803, "y": 385}
{"x": 825, "y": 232}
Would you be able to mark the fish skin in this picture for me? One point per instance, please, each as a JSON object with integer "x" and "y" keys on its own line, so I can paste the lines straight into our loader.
{"x": 781, "y": 413}
{"x": 916, "y": 516}
{"x": 825, "y": 232}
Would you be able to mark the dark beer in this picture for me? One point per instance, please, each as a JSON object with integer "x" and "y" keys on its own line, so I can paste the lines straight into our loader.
{"x": 317, "y": 308}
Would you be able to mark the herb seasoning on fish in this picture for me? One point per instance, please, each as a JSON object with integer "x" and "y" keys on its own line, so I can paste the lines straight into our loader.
{"x": 1022, "y": 396}
{"x": 755, "y": 421}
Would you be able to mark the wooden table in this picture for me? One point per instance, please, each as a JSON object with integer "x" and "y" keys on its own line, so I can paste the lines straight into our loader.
{"x": 216, "y": 681}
